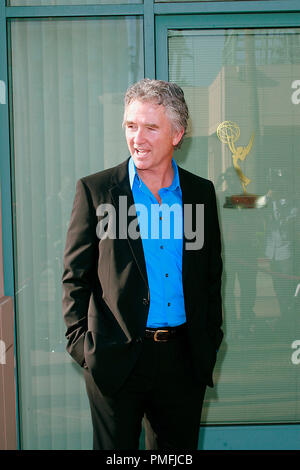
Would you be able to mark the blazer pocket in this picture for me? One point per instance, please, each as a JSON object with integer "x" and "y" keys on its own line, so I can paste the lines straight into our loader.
{"x": 109, "y": 361}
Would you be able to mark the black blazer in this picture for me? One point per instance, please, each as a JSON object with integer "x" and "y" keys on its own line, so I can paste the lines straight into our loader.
{"x": 105, "y": 289}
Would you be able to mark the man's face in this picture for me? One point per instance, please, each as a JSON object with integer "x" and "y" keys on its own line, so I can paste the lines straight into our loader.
{"x": 150, "y": 136}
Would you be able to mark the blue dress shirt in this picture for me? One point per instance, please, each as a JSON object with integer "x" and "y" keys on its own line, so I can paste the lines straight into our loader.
{"x": 161, "y": 229}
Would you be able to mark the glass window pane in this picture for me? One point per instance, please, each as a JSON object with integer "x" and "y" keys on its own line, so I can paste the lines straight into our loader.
{"x": 67, "y": 96}
{"x": 243, "y": 90}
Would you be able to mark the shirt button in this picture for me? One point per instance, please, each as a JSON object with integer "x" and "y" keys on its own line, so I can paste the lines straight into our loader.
{"x": 169, "y": 303}
{"x": 167, "y": 275}
{"x": 161, "y": 247}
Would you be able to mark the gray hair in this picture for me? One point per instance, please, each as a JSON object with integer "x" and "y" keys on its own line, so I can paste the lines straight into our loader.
{"x": 162, "y": 93}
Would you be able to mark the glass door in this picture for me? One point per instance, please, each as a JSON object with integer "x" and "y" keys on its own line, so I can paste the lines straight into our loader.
{"x": 67, "y": 104}
{"x": 241, "y": 79}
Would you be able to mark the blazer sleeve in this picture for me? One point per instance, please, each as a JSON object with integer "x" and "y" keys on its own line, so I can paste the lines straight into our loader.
{"x": 215, "y": 274}
{"x": 79, "y": 268}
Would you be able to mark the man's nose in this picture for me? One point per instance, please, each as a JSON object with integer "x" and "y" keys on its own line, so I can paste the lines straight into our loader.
{"x": 139, "y": 137}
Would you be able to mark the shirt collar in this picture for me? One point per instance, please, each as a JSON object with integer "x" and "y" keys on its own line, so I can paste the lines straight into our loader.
{"x": 133, "y": 175}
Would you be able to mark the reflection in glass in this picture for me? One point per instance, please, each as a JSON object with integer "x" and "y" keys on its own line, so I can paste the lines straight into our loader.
{"x": 246, "y": 77}
{"x": 67, "y": 96}
{"x": 280, "y": 240}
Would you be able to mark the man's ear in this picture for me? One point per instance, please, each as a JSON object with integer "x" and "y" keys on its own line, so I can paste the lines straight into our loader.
{"x": 177, "y": 136}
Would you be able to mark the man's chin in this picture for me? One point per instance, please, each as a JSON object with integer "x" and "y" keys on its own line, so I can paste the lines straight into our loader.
{"x": 141, "y": 161}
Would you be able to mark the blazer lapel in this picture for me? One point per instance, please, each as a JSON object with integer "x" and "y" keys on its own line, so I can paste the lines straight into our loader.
{"x": 187, "y": 198}
{"x": 121, "y": 188}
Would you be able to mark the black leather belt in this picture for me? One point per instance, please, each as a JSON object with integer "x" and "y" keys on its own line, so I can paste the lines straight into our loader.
{"x": 165, "y": 333}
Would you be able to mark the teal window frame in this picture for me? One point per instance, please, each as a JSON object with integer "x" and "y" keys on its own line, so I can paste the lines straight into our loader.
{"x": 158, "y": 17}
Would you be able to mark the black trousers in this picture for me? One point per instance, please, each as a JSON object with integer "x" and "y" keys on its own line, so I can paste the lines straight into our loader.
{"x": 161, "y": 387}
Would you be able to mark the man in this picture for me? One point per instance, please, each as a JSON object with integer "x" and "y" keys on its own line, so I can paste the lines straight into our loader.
{"x": 142, "y": 301}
